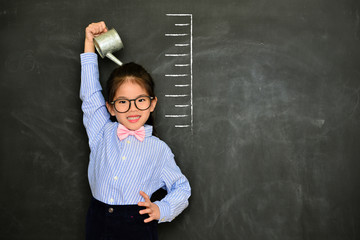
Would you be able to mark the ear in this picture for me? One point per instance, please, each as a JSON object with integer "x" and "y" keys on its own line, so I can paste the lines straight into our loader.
{"x": 153, "y": 104}
{"x": 110, "y": 108}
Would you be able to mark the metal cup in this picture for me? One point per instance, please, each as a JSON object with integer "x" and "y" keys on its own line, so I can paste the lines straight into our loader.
{"x": 107, "y": 43}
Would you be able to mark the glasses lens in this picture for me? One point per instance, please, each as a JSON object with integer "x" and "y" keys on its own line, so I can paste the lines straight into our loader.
{"x": 122, "y": 105}
{"x": 142, "y": 103}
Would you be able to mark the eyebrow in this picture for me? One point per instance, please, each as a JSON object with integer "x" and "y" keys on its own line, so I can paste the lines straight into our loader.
{"x": 123, "y": 97}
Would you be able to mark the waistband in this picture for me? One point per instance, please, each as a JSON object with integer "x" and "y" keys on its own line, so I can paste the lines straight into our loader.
{"x": 118, "y": 210}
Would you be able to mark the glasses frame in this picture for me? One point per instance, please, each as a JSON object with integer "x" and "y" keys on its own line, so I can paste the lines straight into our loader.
{"x": 130, "y": 100}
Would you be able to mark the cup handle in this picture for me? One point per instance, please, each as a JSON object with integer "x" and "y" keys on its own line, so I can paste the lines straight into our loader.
{"x": 114, "y": 59}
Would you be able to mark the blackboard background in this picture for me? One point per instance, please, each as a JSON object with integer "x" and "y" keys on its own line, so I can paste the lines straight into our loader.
{"x": 274, "y": 152}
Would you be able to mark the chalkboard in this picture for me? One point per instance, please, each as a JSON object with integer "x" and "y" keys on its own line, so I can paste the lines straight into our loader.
{"x": 271, "y": 144}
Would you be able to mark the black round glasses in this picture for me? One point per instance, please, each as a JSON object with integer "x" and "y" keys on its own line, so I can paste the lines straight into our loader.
{"x": 122, "y": 105}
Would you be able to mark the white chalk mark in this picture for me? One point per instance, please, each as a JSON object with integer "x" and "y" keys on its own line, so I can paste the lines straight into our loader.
{"x": 319, "y": 122}
{"x": 182, "y": 85}
{"x": 176, "y": 34}
{"x": 176, "y": 75}
{"x": 182, "y": 126}
{"x": 182, "y": 65}
{"x": 176, "y": 54}
{"x": 178, "y": 14}
{"x": 176, "y": 116}
{"x": 182, "y": 45}
{"x": 182, "y": 24}
{"x": 176, "y": 96}
{"x": 181, "y": 106}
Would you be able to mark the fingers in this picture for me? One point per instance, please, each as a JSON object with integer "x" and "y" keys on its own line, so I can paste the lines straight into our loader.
{"x": 145, "y": 196}
{"x": 151, "y": 208}
{"x": 146, "y": 211}
{"x": 92, "y": 31}
{"x": 95, "y": 29}
{"x": 148, "y": 206}
{"x": 144, "y": 204}
{"x": 147, "y": 220}
{"x": 98, "y": 28}
{"x": 150, "y": 213}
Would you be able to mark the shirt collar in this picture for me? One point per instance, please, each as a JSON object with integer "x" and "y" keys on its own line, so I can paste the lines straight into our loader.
{"x": 148, "y": 130}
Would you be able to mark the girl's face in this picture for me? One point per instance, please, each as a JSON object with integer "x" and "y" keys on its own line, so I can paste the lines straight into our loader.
{"x": 134, "y": 118}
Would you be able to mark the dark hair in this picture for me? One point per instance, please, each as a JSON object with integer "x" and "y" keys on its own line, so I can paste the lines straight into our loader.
{"x": 141, "y": 76}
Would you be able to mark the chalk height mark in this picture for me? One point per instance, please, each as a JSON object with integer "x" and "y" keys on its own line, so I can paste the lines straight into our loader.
{"x": 181, "y": 53}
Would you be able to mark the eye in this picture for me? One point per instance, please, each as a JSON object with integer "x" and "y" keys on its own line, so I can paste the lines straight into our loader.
{"x": 142, "y": 99}
{"x": 122, "y": 101}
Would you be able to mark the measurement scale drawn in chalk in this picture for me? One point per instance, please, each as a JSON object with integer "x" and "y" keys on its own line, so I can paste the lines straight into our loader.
{"x": 183, "y": 58}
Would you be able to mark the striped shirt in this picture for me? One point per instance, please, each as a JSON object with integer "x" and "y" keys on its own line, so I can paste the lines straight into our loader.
{"x": 118, "y": 170}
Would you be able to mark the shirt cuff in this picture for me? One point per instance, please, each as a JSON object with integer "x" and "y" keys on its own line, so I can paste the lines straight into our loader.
{"x": 164, "y": 211}
{"x": 89, "y": 57}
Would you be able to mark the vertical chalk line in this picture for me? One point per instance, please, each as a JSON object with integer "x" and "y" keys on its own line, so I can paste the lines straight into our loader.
{"x": 184, "y": 65}
{"x": 191, "y": 74}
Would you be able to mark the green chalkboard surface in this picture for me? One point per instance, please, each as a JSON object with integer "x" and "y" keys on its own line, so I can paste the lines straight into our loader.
{"x": 259, "y": 101}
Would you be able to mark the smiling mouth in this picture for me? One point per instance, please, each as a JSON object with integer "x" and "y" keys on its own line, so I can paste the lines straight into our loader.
{"x": 133, "y": 119}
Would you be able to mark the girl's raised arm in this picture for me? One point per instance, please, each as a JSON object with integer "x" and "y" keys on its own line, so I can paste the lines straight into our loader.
{"x": 93, "y": 106}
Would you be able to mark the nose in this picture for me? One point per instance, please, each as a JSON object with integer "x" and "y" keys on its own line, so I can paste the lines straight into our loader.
{"x": 132, "y": 105}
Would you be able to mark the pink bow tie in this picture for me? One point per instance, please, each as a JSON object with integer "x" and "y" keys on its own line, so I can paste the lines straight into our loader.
{"x": 123, "y": 133}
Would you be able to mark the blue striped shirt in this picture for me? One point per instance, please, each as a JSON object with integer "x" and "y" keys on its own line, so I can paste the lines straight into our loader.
{"x": 118, "y": 170}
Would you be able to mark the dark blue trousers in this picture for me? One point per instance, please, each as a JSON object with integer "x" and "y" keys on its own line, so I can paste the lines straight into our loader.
{"x": 118, "y": 222}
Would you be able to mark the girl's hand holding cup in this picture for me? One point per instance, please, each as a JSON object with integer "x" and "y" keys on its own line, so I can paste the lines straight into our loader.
{"x": 92, "y": 31}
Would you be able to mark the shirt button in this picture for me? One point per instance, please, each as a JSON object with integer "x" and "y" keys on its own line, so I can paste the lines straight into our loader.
{"x": 123, "y": 158}
{"x": 111, "y": 210}
{"x": 116, "y": 178}
{"x": 128, "y": 141}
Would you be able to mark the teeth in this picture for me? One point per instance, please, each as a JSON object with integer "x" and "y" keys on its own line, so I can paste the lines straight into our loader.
{"x": 133, "y": 118}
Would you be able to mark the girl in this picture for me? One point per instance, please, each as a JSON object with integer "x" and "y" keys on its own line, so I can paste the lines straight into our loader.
{"x": 127, "y": 163}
